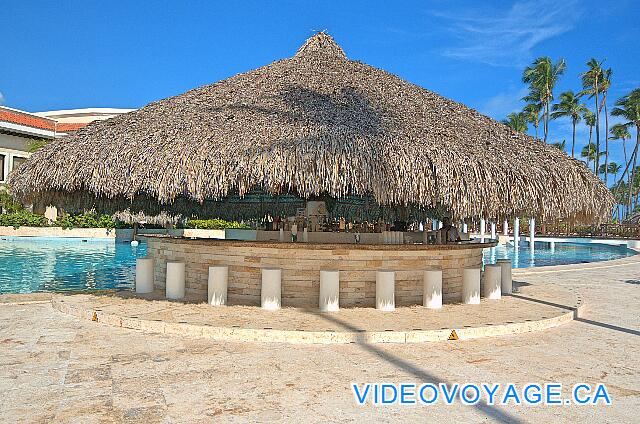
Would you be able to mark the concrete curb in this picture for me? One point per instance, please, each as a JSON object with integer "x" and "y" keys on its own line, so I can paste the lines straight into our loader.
{"x": 267, "y": 335}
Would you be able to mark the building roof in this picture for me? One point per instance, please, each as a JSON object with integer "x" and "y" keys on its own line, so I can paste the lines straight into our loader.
{"x": 316, "y": 124}
{"x": 51, "y": 124}
{"x": 25, "y": 123}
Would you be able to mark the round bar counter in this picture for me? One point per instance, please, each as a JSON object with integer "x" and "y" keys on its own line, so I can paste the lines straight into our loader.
{"x": 301, "y": 264}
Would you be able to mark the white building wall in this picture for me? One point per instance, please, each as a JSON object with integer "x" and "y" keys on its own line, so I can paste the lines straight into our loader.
{"x": 12, "y": 146}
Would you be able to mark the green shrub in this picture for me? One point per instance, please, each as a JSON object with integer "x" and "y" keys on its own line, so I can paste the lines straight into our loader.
{"x": 88, "y": 220}
{"x": 213, "y": 224}
{"x": 22, "y": 218}
{"x": 8, "y": 204}
{"x": 37, "y": 144}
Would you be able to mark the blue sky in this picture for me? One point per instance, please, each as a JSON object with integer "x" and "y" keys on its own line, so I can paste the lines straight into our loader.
{"x": 74, "y": 54}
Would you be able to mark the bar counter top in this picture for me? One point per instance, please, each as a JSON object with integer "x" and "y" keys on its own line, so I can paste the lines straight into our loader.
{"x": 464, "y": 245}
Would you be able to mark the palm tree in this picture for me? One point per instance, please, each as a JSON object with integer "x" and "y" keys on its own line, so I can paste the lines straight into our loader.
{"x": 560, "y": 144}
{"x": 634, "y": 187}
{"x": 619, "y": 191}
{"x": 613, "y": 169}
{"x": 532, "y": 115}
{"x": 589, "y": 153}
{"x": 606, "y": 85}
{"x": 542, "y": 77}
{"x": 516, "y": 121}
{"x": 570, "y": 107}
{"x": 589, "y": 119}
{"x": 621, "y": 132}
{"x": 592, "y": 84}
{"x": 628, "y": 107}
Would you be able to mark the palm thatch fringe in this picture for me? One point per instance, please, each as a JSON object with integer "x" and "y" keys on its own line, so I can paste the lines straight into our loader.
{"x": 317, "y": 124}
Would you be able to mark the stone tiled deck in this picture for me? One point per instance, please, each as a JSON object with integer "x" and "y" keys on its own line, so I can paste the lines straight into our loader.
{"x": 57, "y": 368}
{"x": 529, "y": 310}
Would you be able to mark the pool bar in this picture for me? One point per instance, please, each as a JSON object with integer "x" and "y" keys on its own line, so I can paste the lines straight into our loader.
{"x": 316, "y": 274}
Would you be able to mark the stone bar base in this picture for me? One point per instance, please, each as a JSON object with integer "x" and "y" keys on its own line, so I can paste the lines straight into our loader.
{"x": 301, "y": 264}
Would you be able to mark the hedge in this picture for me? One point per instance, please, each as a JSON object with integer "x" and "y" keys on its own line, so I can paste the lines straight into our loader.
{"x": 24, "y": 218}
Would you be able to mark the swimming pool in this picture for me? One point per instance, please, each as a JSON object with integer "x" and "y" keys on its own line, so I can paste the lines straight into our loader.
{"x": 560, "y": 254}
{"x": 31, "y": 264}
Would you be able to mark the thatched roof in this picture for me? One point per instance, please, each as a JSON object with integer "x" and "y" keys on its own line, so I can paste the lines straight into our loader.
{"x": 314, "y": 124}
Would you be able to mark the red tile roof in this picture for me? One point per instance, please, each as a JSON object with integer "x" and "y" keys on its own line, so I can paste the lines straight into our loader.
{"x": 15, "y": 117}
{"x": 66, "y": 127}
{"x": 28, "y": 120}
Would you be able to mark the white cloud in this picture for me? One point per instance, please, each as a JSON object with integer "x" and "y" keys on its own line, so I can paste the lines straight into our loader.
{"x": 1, "y": 98}
{"x": 624, "y": 87}
{"x": 507, "y": 37}
{"x": 502, "y": 104}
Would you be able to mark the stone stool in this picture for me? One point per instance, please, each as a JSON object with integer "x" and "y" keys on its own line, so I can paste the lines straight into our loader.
{"x": 175, "y": 280}
{"x": 432, "y": 291}
{"x": 385, "y": 290}
{"x": 506, "y": 283}
{"x": 471, "y": 286}
{"x": 144, "y": 275}
{"x": 329, "y": 290}
{"x": 217, "y": 287}
{"x": 271, "y": 292}
{"x": 492, "y": 278}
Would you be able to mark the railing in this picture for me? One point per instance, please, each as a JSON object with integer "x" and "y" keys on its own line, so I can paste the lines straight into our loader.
{"x": 562, "y": 229}
{"x": 600, "y": 231}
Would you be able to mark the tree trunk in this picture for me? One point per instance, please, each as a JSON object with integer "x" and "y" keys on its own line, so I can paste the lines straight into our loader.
{"x": 573, "y": 140}
{"x": 606, "y": 138}
{"x": 597, "y": 125}
{"x": 546, "y": 121}
{"x": 633, "y": 168}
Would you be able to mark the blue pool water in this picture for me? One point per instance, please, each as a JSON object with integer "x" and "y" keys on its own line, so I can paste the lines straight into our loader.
{"x": 561, "y": 254}
{"x": 31, "y": 264}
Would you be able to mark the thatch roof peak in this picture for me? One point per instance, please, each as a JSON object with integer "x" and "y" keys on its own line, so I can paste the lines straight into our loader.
{"x": 320, "y": 44}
